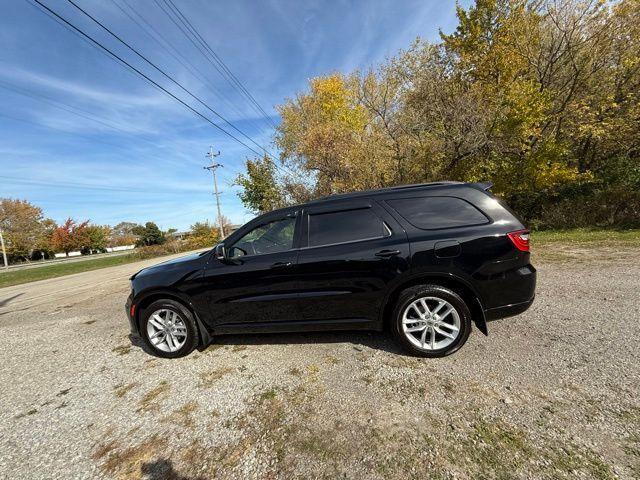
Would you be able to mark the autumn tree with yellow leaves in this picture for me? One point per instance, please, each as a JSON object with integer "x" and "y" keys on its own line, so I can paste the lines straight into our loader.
{"x": 539, "y": 97}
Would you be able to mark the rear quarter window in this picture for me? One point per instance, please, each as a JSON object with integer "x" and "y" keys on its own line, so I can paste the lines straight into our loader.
{"x": 430, "y": 213}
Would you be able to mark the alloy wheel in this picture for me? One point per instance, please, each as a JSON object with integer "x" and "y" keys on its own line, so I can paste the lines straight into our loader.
{"x": 166, "y": 330}
{"x": 431, "y": 323}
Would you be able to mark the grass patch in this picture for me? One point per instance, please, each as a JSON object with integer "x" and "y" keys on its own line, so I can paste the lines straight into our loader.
{"x": 207, "y": 379}
{"x": 26, "y": 275}
{"x": 131, "y": 462}
{"x": 584, "y": 236}
{"x": 184, "y": 415}
{"x": 121, "y": 390}
{"x": 148, "y": 402}
{"x": 575, "y": 245}
{"x": 121, "y": 349}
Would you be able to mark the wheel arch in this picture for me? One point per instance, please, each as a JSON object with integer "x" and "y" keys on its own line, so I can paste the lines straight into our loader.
{"x": 146, "y": 299}
{"x": 447, "y": 280}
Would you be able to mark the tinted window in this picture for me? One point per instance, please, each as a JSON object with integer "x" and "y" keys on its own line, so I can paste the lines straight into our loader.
{"x": 438, "y": 212}
{"x": 347, "y": 226}
{"x": 271, "y": 237}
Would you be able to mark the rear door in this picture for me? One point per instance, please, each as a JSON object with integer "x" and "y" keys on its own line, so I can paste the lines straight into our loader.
{"x": 350, "y": 253}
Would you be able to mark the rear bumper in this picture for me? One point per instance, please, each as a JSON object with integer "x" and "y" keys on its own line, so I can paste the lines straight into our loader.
{"x": 507, "y": 310}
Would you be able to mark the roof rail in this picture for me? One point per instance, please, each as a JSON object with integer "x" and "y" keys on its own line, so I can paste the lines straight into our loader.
{"x": 335, "y": 196}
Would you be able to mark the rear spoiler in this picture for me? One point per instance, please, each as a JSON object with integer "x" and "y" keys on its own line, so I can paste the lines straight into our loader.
{"x": 484, "y": 186}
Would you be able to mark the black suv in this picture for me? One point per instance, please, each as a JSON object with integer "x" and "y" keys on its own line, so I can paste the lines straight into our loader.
{"x": 424, "y": 260}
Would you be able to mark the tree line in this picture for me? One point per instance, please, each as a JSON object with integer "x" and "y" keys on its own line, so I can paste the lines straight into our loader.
{"x": 541, "y": 97}
{"x": 28, "y": 235}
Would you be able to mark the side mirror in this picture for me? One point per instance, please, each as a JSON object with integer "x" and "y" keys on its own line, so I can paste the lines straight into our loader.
{"x": 220, "y": 252}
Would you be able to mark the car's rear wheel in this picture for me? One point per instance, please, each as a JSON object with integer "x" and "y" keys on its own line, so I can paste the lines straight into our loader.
{"x": 168, "y": 329}
{"x": 431, "y": 321}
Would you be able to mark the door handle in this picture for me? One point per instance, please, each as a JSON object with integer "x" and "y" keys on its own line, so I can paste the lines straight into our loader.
{"x": 387, "y": 253}
{"x": 281, "y": 264}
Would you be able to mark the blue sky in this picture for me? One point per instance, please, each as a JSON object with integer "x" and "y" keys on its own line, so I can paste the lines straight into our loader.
{"x": 81, "y": 136}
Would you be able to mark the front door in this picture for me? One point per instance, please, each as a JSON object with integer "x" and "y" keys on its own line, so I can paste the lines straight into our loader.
{"x": 256, "y": 284}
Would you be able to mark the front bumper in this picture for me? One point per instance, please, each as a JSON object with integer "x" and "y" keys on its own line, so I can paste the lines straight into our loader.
{"x": 133, "y": 324}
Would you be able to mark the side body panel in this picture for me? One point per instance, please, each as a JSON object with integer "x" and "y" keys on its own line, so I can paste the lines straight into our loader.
{"x": 480, "y": 256}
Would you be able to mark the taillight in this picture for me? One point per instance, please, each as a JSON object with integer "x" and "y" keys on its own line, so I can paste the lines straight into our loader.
{"x": 520, "y": 239}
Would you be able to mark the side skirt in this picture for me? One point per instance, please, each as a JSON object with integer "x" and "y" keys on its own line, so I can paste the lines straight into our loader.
{"x": 297, "y": 326}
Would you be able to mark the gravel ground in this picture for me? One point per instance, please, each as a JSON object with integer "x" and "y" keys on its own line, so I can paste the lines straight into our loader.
{"x": 552, "y": 393}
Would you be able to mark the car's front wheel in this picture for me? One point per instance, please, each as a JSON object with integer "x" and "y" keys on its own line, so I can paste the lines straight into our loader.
{"x": 168, "y": 329}
{"x": 431, "y": 321}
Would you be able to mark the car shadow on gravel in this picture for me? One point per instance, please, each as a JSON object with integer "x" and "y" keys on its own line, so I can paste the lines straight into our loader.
{"x": 374, "y": 340}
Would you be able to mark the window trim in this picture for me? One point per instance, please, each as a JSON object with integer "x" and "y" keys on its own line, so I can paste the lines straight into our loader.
{"x": 387, "y": 201}
{"x": 369, "y": 207}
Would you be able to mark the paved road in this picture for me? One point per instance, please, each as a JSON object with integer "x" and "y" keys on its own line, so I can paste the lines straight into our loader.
{"x": 81, "y": 258}
{"x": 553, "y": 393}
{"x": 69, "y": 290}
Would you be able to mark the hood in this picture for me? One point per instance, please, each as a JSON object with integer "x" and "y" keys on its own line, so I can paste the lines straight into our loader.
{"x": 188, "y": 261}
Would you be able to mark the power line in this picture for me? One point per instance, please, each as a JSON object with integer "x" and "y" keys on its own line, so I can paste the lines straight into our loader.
{"x": 113, "y": 56}
{"x": 61, "y": 105}
{"x": 155, "y": 35}
{"x": 224, "y": 66}
{"x": 209, "y": 54}
{"x": 93, "y": 186}
{"x": 166, "y": 75}
{"x": 146, "y": 77}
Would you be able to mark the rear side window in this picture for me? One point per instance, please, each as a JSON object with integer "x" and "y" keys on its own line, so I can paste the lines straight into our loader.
{"x": 346, "y": 226}
{"x": 431, "y": 213}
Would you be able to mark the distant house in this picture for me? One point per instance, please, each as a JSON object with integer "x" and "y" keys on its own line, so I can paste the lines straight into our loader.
{"x": 180, "y": 235}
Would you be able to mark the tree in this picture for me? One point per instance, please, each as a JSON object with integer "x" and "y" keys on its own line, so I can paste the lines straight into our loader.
{"x": 98, "y": 237}
{"x": 70, "y": 236}
{"x": 260, "y": 192}
{"x": 541, "y": 97}
{"x": 203, "y": 235}
{"x": 150, "y": 234}
{"x": 43, "y": 247}
{"x": 123, "y": 234}
{"x": 23, "y": 227}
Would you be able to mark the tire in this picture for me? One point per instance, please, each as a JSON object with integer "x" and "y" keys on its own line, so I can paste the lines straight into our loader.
{"x": 442, "y": 325}
{"x": 174, "y": 316}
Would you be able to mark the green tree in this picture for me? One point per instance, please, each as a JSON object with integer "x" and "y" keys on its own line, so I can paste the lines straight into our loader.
{"x": 150, "y": 234}
{"x": 98, "y": 237}
{"x": 260, "y": 191}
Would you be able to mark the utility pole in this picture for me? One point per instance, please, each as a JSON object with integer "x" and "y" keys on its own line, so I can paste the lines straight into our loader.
{"x": 4, "y": 252}
{"x": 212, "y": 168}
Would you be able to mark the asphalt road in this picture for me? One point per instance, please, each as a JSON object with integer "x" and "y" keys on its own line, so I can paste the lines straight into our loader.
{"x": 552, "y": 393}
{"x": 81, "y": 258}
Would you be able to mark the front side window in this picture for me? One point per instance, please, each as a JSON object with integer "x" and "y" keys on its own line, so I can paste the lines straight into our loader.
{"x": 272, "y": 237}
{"x": 346, "y": 226}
